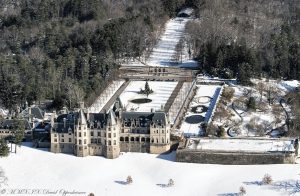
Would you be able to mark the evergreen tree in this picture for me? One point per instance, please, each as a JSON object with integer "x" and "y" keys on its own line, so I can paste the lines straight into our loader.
{"x": 147, "y": 90}
{"x": 19, "y": 131}
{"x": 4, "y": 149}
{"x": 251, "y": 105}
{"x": 10, "y": 91}
{"x": 244, "y": 74}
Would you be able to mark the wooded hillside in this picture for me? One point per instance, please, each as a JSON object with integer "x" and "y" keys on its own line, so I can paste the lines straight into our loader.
{"x": 68, "y": 50}
{"x": 255, "y": 38}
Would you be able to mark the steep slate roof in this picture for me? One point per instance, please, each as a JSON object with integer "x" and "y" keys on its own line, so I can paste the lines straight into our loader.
{"x": 65, "y": 122}
{"x": 91, "y": 120}
{"x": 44, "y": 126}
{"x": 36, "y": 112}
{"x": 96, "y": 119}
{"x": 143, "y": 117}
{"x": 9, "y": 123}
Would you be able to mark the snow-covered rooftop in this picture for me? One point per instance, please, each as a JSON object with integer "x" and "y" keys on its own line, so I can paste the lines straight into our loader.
{"x": 250, "y": 145}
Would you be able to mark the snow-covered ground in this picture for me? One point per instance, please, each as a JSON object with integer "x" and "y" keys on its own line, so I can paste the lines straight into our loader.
{"x": 3, "y": 112}
{"x": 206, "y": 96}
{"x": 105, "y": 96}
{"x": 289, "y": 85}
{"x": 253, "y": 145}
{"x": 37, "y": 169}
{"x": 264, "y": 119}
{"x": 162, "y": 54}
{"x": 159, "y": 97}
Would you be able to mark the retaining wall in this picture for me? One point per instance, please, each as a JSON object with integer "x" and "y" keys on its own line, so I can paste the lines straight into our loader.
{"x": 234, "y": 157}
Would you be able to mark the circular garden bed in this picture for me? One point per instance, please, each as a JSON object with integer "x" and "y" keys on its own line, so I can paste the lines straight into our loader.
{"x": 141, "y": 100}
{"x": 194, "y": 119}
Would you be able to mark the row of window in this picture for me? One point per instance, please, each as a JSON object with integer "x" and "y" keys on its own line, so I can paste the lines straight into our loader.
{"x": 157, "y": 141}
{"x": 63, "y": 140}
{"x": 122, "y": 139}
{"x": 142, "y": 125}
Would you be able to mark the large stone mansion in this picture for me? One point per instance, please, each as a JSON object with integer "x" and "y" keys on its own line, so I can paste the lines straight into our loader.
{"x": 107, "y": 134}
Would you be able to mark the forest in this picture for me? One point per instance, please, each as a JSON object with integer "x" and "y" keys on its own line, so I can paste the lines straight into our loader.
{"x": 69, "y": 50}
{"x": 244, "y": 39}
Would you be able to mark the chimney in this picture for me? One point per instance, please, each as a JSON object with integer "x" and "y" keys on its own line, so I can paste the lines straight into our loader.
{"x": 87, "y": 115}
{"x": 65, "y": 122}
{"x": 52, "y": 118}
{"x": 29, "y": 114}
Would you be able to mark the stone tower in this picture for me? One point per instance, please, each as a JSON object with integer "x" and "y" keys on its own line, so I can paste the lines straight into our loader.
{"x": 159, "y": 134}
{"x": 112, "y": 136}
{"x": 81, "y": 136}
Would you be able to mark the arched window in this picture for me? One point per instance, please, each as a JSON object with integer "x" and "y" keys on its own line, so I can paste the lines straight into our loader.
{"x": 137, "y": 139}
{"x": 121, "y": 139}
{"x": 152, "y": 140}
{"x": 109, "y": 142}
{"x": 126, "y": 139}
{"x": 162, "y": 140}
{"x": 156, "y": 140}
{"x": 143, "y": 139}
{"x": 79, "y": 142}
{"x": 132, "y": 139}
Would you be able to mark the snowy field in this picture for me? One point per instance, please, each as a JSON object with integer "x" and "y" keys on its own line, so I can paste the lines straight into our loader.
{"x": 162, "y": 54}
{"x": 257, "y": 145}
{"x": 159, "y": 97}
{"x": 206, "y": 97}
{"x": 37, "y": 169}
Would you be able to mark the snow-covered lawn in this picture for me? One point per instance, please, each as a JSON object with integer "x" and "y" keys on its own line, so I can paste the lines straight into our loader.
{"x": 159, "y": 97}
{"x": 162, "y": 54}
{"x": 206, "y": 96}
{"x": 36, "y": 169}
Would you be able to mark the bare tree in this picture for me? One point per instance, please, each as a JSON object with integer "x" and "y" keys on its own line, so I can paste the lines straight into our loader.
{"x": 129, "y": 180}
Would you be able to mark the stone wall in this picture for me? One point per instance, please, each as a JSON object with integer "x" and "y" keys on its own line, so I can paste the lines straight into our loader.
{"x": 159, "y": 148}
{"x": 62, "y": 148}
{"x": 134, "y": 147}
{"x": 96, "y": 150}
{"x": 234, "y": 158}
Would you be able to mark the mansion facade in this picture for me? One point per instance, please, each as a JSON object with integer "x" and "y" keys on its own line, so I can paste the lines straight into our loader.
{"x": 107, "y": 134}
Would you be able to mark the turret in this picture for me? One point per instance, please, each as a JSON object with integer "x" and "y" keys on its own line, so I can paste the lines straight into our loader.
{"x": 82, "y": 137}
{"x": 159, "y": 133}
{"x": 112, "y": 136}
